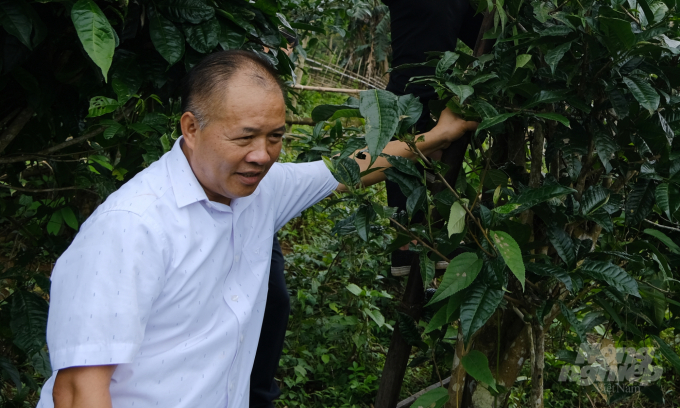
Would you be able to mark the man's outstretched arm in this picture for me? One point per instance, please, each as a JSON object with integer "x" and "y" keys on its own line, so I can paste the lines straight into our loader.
{"x": 449, "y": 128}
{"x": 83, "y": 387}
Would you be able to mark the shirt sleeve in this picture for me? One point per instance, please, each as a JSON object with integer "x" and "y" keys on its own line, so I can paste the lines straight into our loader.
{"x": 300, "y": 186}
{"x": 103, "y": 287}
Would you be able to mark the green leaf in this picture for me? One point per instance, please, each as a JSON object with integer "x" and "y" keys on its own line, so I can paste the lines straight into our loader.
{"x": 664, "y": 239}
{"x": 533, "y": 196}
{"x": 483, "y": 108}
{"x": 41, "y": 363}
{"x": 55, "y": 223}
{"x": 448, "y": 59}
{"x": 167, "y": 38}
{"x": 460, "y": 274}
{"x": 183, "y": 11}
{"x": 95, "y": 33}
{"x": 69, "y": 217}
{"x": 643, "y": 92}
{"x": 640, "y": 201}
{"x": 479, "y": 304}
{"x": 28, "y": 321}
{"x": 202, "y": 37}
{"x": 574, "y": 322}
{"x": 511, "y": 253}
{"x": 438, "y": 320}
{"x": 101, "y": 105}
{"x": 308, "y": 27}
{"x": 404, "y": 165}
{"x": 456, "y": 223}
{"x": 593, "y": 199}
{"x": 347, "y": 172}
{"x": 410, "y": 110}
{"x": 614, "y": 275}
{"x": 668, "y": 198}
{"x": 435, "y": 398}
{"x": 427, "y": 269}
{"x": 668, "y": 352}
{"x": 606, "y": 148}
{"x": 380, "y": 109}
{"x": 9, "y": 372}
{"x": 477, "y": 365}
{"x": 488, "y": 122}
{"x": 20, "y": 20}
{"x": 377, "y": 317}
{"x": 462, "y": 91}
{"x": 270, "y": 7}
{"x": 521, "y": 60}
{"x": 556, "y": 30}
{"x": 563, "y": 245}
{"x": 327, "y": 112}
{"x": 558, "y": 273}
{"x": 230, "y": 39}
{"x": 545, "y": 97}
{"x": 553, "y": 116}
{"x": 554, "y": 55}
{"x": 482, "y": 78}
{"x": 362, "y": 221}
{"x": 416, "y": 201}
{"x": 618, "y": 33}
{"x": 354, "y": 289}
{"x": 345, "y": 113}
{"x": 619, "y": 103}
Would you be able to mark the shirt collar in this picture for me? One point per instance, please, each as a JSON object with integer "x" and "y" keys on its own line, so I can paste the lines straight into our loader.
{"x": 186, "y": 187}
{"x": 188, "y": 190}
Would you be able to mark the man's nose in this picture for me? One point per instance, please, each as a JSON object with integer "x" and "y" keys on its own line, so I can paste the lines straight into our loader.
{"x": 259, "y": 153}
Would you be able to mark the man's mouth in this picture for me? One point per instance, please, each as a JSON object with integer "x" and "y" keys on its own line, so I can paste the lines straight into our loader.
{"x": 249, "y": 177}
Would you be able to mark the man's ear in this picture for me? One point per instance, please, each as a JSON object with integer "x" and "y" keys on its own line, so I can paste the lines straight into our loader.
{"x": 190, "y": 128}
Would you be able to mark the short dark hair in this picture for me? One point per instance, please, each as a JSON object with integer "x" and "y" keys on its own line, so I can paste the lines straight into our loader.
{"x": 215, "y": 71}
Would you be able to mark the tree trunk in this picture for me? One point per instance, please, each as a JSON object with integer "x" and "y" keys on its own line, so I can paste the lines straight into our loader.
{"x": 537, "y": 365}
{"x": 399, "y": 351}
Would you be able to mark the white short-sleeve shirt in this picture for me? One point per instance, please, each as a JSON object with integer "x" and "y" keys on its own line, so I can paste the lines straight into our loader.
{"x": 171, "y": 287}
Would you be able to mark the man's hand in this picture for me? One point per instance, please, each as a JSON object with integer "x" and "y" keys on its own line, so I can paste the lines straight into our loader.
{"x": 449, "y": 128}
{"x": 83, "y": 387}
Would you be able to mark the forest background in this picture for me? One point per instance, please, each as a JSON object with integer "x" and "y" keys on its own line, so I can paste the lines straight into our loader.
{"x": 566, "y": 213}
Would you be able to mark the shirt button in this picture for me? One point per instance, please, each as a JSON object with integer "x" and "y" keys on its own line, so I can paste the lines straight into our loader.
{"x": 241, "y": 338}
{"x": 231, "y": 386}
{"x": 234, "y": 298}
{"x": 237, "y": 258}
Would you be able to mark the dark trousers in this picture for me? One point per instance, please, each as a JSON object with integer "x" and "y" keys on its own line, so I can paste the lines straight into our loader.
{"x": 263, "y": 387}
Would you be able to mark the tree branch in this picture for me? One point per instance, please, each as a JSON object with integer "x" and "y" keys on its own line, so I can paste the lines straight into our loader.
{"x": 662, "y": 226}
{"x": 15, "y": 127}
{"x": 89, "y": 135}
{"x": 44, "y": 190}
{"x": 412, "y": 235}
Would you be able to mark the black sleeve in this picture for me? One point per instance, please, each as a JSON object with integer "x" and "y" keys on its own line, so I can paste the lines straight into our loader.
{"x": 469, "y": 30}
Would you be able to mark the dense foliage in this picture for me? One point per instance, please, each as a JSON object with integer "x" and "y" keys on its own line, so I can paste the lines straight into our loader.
{"x": 570, "y": 208}
{"x": 565, "y": 220}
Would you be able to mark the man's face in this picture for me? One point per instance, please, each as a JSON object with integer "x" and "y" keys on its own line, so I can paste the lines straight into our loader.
{"x": 241, "y": 141}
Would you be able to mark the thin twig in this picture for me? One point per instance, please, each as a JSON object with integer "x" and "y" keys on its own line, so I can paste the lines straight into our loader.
{"x": 15, "y": 127}
{"x": 512, "y": 300}
{"x": 44, "y": 190}
{"x": 630, "y": 15}
{"x": 89, "y": 135}
{"x": 446, "y": 183}
{"x": 662, "y": 226}
{"x": 419, "y": 240}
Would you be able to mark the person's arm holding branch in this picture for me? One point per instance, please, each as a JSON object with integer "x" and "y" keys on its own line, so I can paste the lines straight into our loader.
{"x": 449, "y": 128}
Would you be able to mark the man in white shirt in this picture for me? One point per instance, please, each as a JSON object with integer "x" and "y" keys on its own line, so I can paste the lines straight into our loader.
{"x": 159, "y": 299}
